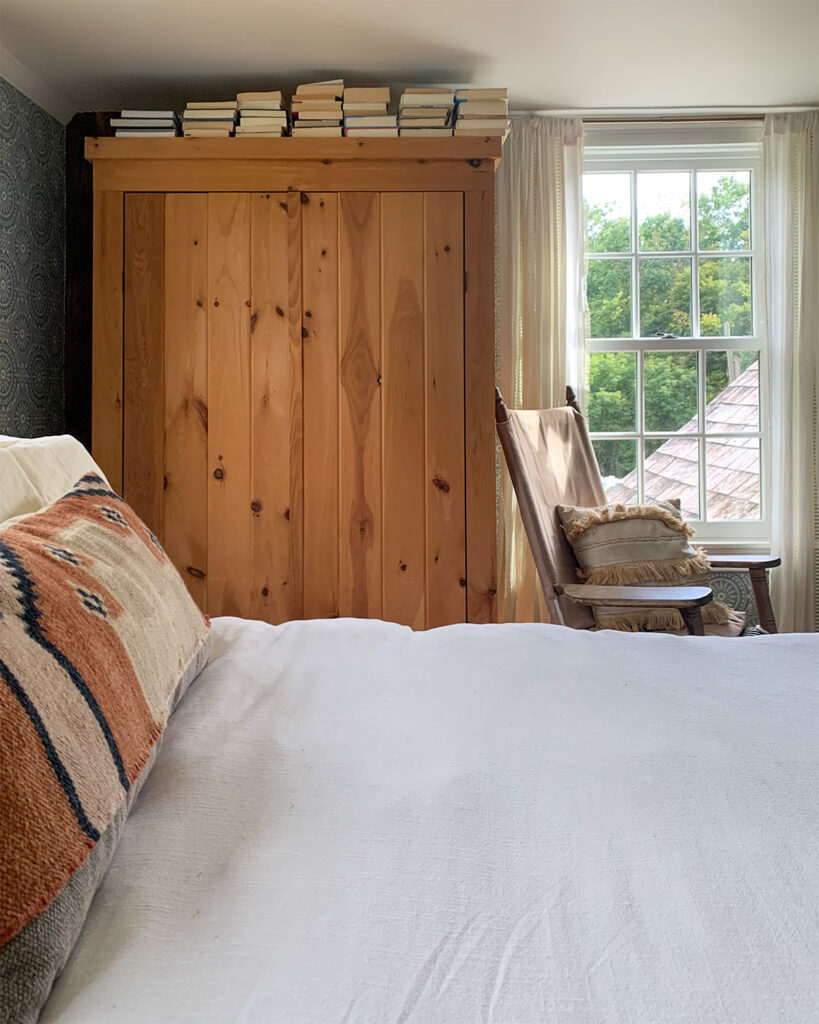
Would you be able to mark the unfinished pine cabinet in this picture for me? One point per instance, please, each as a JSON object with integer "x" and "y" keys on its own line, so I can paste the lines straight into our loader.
{"x": 293, "y": 369}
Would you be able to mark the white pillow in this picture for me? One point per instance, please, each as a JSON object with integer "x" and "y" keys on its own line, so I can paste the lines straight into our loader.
{"x": 36, "y": 471}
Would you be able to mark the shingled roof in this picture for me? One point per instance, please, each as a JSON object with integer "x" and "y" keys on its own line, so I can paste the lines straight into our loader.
{"x": 732, "y": 463}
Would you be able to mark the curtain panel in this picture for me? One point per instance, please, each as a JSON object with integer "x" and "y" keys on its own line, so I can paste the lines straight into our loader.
{"x": 791, "y": 165}
{"x": 540, "y": 334}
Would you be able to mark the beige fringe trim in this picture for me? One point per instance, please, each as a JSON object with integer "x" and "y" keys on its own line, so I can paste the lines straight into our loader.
{"x": 623, "y": 574}
{"x": 616, "y": 513}
{"x": 665, "y": 620}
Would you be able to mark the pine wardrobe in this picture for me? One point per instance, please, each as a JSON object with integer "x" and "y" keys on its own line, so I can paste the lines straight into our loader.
{"x": 293, "y": 369}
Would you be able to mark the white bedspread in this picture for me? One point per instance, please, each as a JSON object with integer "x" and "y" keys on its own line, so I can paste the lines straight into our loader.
{"x": 350, "y": 822}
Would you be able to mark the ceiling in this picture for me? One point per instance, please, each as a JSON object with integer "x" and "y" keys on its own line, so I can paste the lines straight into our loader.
{"x": 106, "y": 54}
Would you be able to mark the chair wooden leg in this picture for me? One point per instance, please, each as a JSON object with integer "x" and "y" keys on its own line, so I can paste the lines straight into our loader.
{"x": 762, "y": 596}
{"x": 692, "y": 617}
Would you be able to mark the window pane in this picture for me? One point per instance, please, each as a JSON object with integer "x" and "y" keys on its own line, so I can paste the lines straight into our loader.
{"x": 724, "y": 209}
{"x": 670, "y": 388}
{"x": 732, "y": 477}
{"x": 664, "y": 214}
{"x": 618, "y": 468}
{"x": 612, "y": 391}
{"x": 672, "y": 471}
{"x": 732, "y": 391}
{"x": 725, "y": 296}
{"x": 607, "y": 206}
{"x": 608, "y": 294}
{"x": 665, "y": 297}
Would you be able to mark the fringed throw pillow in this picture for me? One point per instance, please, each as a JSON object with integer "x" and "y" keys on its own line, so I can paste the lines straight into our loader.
{"x": 638, "y": 545}
{"x": 98, "y": 640}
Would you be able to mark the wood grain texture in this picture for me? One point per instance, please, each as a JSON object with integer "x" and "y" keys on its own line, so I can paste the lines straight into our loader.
{"x": 228, "y": 587}
{"x": 479, "y": 386}
{"x": 320, "y": 328}
{"x": 276, "y": 401}
{"x": 404, "y": 536}
{"x": 106, "y": 363}
{"x": 445, "y": 482}
{"x": 360, "y": 485}
{"x": 144, "y": 326}
{"x": 185, "y": 507}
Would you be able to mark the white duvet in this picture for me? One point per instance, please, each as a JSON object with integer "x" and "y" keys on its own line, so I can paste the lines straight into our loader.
{"x": 351, "y": 823}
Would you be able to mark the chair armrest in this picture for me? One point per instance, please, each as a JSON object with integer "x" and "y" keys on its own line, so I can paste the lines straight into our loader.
{"x": 638, "y": 597}
{"x": 744, "y": 561}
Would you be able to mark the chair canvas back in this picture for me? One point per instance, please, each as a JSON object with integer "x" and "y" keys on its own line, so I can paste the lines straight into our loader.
{"x": 551, "y": 462}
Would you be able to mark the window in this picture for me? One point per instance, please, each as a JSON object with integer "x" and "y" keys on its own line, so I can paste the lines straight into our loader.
{"x": 675, "y": 327}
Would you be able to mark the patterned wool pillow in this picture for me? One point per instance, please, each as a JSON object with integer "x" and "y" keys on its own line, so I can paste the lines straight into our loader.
{"x": 98, "y": 640}
{"x": 645, "y": 545}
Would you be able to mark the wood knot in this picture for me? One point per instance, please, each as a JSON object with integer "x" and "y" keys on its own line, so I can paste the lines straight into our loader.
{"x": 284, "y": 206}
{"x": 442, "y": 485}
{"x": 305, "y": 199}
{"x": 378, "y": 379}
{"x": 196, "y": 573}
{"x": 304, "y": 332}
{"x": 216, "y": 302}
{"x": 254, "y": 317}
{"x": 247, "y": 302}
{"x": 219, "y": 473}
{"x": 491, "y": 591}
{"x": 164, "y": 483}
{"x": 323, "y": 252}
{"x": 279, "y": 311}
{"x": 265, "y": 592}
{"x": 325, "y": 161}
{"x": 474, "y": 163}
{"x": 287, "y": 514}
{"x": 200, "y": 303}
{"x": 196, "y": 241}
{"x": 308, "y": 314}
{"x": 462, "y": 581}
{"x": 403, "y": 566}
{"x": 446, "y": 248}
{"x": 255, "y": 507}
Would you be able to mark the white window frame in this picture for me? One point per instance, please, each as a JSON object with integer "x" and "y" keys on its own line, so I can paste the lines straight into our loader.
{"x": 734, "y": 146}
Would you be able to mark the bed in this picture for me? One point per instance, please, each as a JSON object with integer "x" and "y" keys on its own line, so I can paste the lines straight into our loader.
{"x": 351, "y": 822}
{"x": 347, "y": 822}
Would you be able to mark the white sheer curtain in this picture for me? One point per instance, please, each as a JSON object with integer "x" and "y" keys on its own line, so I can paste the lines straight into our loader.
{"x": 540, "y": 309}
{"x": 791, "y": 159}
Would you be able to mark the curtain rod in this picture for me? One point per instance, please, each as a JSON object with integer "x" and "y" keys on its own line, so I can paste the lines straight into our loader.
{"x": 664, "y": 115}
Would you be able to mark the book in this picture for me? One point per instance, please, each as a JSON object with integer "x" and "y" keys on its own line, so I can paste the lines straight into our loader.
{"x": 371, "y": 133}
{"x": 226, "y": 126}
{"x": 320, "y": 122}
{"x": 427, "y": 90}
{"x": 481, "y": 94}
{"x": 149, "y": 113}
{"x": 263, "y": 122}
{"x": 259, "y": 135}
{"x": 145, "y": 133}
{"x": 423, "y": 122}
{"x": 413, "y": 112}
{"x": 316, "y": 104}
{"x": 380, "y": 94}
{"x": 212, "y": 105}
{"x": 248, "y": 106}
{"x": 484, "y": 107}
{"x": 207, "y": 133}
{"x": 479, "y": 123}
{"x": 333, "y": 89}
{"x": 485, "y": 133}
{"x": 380, "y": 121}
{"x": 425, "y": 133}
{"x": 208, "y": 114}
{"x": 272, "y": 98}
{"x": 144, "y": 122}
{"x": 318, "y": 133}
{"x": 265, "y": 130}
{"x": 365, "y": 108}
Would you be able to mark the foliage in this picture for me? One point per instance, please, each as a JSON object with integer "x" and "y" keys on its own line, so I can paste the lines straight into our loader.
{"x": 670, "y": 378}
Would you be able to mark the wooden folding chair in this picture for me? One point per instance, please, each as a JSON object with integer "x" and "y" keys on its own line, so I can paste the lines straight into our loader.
{"x": 551, "y": 462}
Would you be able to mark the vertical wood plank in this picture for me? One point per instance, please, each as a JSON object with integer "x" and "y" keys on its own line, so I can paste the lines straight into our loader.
{"x": 319, "y": 219}
{"x": 479, "y": 366}
{"x": 402, "y": 261}
{"x": 185, "y": 511}
{"x": 144, "y": 325}
{"x": 446, "y": 525}
{"x": 360, "y": 404}
{"x": 106, "y": 363}
{"x": 276, "y": 402}
{"x": 228, "y": 584}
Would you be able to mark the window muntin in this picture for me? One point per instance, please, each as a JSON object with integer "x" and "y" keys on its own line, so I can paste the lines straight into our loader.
{"x": 676, "y": 339}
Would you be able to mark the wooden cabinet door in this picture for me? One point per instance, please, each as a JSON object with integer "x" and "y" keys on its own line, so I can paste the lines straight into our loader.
{"x": 212, "y": 392}
{"x": 384, "y": 513}
{"x": 293, "y": 399}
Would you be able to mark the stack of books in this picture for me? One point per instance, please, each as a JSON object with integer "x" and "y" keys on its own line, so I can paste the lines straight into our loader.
{"x": 214, "y": 120}
{"x": 146, "y": 123}
{"x": 366, "y": 113}
{"x": 261, "y": 114}
{"x": 482, "y": 112}
{"x": 425, "y": 112}
{"x": 316, "y": 109}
